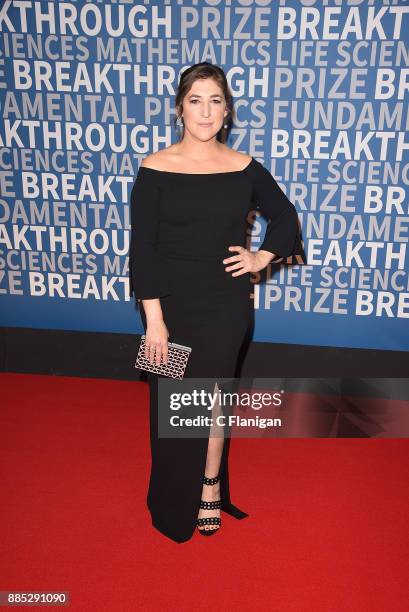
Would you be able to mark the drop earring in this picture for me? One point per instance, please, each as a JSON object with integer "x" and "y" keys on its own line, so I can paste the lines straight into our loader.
{"x": 179, "y": 125}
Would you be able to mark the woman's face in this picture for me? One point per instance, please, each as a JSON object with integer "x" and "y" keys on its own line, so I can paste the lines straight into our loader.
{"x": 204, "y": 109}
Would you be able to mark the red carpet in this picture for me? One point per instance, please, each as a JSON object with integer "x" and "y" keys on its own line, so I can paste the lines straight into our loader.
{"x": 327, "y": 529}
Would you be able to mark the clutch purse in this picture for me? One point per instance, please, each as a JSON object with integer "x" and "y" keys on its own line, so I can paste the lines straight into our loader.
{"x": 178, "y": 355}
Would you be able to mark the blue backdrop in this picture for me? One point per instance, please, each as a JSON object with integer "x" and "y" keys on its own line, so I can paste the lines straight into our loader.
{"x": 321, "y": 95}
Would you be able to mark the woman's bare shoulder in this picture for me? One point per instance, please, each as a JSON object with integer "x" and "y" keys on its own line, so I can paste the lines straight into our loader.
{"x": 159, "y": 160}
{"x": 244, "y": 158}
{"x": 236, "y": 158}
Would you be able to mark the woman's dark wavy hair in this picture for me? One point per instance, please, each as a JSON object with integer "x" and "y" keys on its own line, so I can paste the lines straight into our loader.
{"x": 205, "y": 70}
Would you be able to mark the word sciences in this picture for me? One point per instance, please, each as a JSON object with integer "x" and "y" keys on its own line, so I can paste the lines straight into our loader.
{"x": 342, "y": 278}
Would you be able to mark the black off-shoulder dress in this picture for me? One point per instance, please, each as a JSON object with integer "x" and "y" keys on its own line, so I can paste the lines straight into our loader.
{"x": 181, "y": 227}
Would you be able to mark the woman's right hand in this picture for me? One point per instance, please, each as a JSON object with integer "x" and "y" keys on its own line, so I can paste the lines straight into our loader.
{"x": 156, "y": 342}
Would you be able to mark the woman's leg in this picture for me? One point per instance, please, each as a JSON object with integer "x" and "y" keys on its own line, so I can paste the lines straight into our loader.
{"x": 213, "y": 460}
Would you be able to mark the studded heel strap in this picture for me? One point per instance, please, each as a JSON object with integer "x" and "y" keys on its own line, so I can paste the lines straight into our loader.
{"x": 210, "y": 505}
{"x": 211, "y": 481}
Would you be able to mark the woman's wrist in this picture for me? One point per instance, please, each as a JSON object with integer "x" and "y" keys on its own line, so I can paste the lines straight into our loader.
{"x": 153, "y": 310}
{"x": 267, "y": 256}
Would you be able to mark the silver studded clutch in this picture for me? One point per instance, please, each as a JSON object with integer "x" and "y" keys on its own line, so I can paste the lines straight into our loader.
{"x": 178, "y": 355}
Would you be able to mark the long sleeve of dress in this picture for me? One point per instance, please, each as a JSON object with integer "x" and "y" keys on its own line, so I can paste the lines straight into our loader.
{"x": 147, "y": 278}
{"x": 282, "y": 235}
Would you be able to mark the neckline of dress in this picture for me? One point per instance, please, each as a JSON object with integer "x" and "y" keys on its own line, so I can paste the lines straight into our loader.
{"x": 199, "y": 173}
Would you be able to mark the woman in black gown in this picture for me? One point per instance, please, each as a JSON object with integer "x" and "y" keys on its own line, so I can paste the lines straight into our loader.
{"x": 190, "y": 272}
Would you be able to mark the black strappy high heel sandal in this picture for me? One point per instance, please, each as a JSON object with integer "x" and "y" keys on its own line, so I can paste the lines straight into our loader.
{"x": 209, "y": 505}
